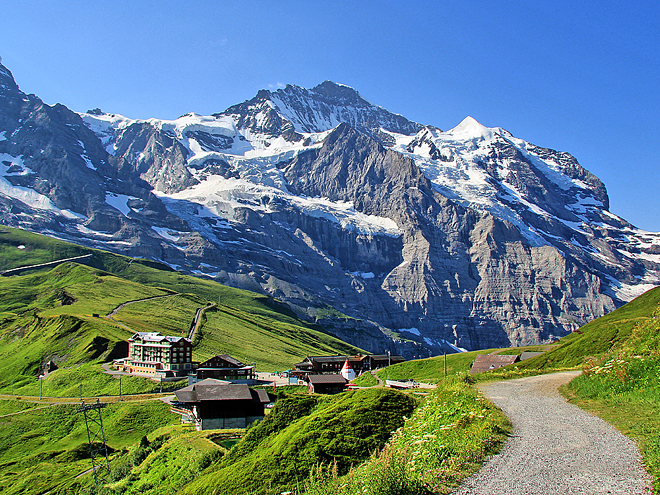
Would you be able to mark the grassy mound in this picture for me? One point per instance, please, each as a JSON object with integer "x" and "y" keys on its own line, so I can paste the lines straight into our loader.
{"x": 365, "y": 380}
{"x": 445, "y": 440}
{"x": 301, "y": 432}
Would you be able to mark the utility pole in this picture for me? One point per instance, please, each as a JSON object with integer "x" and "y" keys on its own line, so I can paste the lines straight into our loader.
{"x": 41, "y": 383}
{"x": 445, "y": 364}
{"x": 119, "y": 388}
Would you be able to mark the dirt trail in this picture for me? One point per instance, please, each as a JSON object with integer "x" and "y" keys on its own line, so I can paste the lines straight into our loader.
{"x": 556, "y": 448}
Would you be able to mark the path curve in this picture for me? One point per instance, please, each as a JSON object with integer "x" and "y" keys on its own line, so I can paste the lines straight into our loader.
{"x": 556, "y": 447}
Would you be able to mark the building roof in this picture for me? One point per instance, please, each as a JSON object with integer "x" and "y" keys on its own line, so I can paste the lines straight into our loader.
{"x": 231, "y": 360}
{"x": 332, "y": 379}
{"x": 326, "y": 359}
{"x": 155, "y": 337}
{"x": 385, "y": 356}
{"x": 225, "y": 357}
{"x": 213, "y": 390}
{"x": 333, "y": 359}
{"x": 262, "y": 395}
{"x": 486, "y": 362}
{"x": 529, "y": 355}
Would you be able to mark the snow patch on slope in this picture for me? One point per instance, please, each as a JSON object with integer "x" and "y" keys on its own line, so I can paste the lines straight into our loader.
{"x": 220, "y": 197}
{"x": 119, "y": 202}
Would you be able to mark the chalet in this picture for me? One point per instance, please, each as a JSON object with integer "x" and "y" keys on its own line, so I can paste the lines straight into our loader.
{"x": 334, "y": 364}
{"x": 159, "y": 355}
{"x": 326, "y": 384}
{"x": 225, "y": 367}
{"x": 487, "y": 362}
{"x": 382, "y": 360}
{"x": 216, "y": 404}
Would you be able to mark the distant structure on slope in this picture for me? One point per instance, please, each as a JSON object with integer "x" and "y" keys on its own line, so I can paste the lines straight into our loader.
{"x": 225, "y": 367}
{"x": 151, "y": 353}
{"x": 487, "y": 362}
{"x": 347, "y": 371}
{"x": 334, "y": 364}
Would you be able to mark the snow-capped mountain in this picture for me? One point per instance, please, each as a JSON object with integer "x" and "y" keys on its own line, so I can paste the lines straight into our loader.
{"x": 469, "y": 237}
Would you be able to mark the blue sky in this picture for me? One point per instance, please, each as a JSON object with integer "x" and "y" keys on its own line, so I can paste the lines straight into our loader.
{"x": 582, "y": 77}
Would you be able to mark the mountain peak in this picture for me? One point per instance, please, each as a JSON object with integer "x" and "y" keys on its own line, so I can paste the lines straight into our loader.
{"x": 338, "y": 92}
{"x": 316, "y": 110}
{"x": 7, "y": 79}
{"x": 470, "y": 128}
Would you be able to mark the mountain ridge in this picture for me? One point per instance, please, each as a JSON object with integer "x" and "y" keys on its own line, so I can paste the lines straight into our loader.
{"x": 469, "y": 236}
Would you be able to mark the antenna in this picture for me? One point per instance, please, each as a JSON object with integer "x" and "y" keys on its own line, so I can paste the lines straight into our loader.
{"x": 98, "y": 450}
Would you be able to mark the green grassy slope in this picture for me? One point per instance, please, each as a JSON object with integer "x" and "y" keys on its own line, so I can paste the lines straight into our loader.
{"x": 46, "y": 448}
{"x": 609, "y": 333}
{"x": 59, "y": 314}
{"x": 47, "y": 314}
{"x": 432, "y": 370}
{"x": 278, "y": 454}
{"x": 445, "y": 440}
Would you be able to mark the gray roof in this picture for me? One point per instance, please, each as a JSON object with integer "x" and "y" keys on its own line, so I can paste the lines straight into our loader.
{"x": 327, "y": 359}
{"x": 529, "y": 355}
{"x": 327, "y": 379}
{"x": 155, "y": 337}
{"x": 262, "y": 395}
{"x": 211, "y": 389}
{"x": 485, "y": 362}
{"x": 224, "y": 357}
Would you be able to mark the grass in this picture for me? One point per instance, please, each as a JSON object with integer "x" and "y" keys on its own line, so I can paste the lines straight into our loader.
{"x": 45, "y": 449}
{"x": 365, "y": 380}
{"x": 48, "y": 315}
{"x": 162, "y": 462}
{"x": 279, "y": 453}
{"x": 432, "y": 370}
{"x": 443, "y": 442}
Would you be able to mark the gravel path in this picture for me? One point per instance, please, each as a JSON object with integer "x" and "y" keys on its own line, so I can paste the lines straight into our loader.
{"x": 556, "y": 447}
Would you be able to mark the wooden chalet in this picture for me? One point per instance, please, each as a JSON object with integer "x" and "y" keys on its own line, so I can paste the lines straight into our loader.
{"x": 334, "y": 364}
{"x": 326, "y": 384}
{"x": 216, "y": 404}
{"x": 225, "y": 367}
{"x": 487, "y": 362}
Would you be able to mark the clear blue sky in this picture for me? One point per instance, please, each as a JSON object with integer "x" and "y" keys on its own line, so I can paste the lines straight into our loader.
{"x": 582, "y": 77}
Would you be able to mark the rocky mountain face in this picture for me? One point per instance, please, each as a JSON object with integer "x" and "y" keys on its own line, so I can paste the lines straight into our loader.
{"x": 388, "y": 233}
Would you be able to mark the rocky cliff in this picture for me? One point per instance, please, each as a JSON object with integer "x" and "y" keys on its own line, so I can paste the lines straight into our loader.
{"x": 394, "y": 235}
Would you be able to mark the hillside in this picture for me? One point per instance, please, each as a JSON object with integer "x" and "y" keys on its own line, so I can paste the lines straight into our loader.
{"x": 631, "y": 329}
{"x": 48, "y": 315}
{"x": 303, "y": 432}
